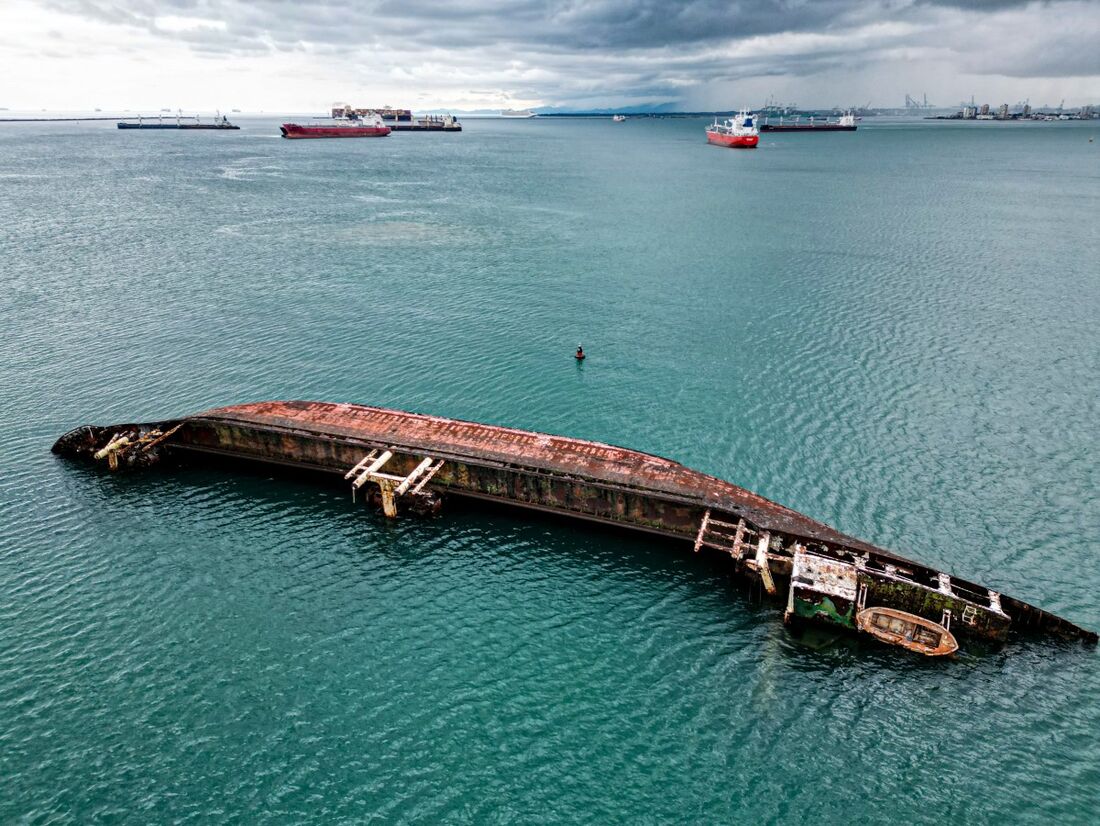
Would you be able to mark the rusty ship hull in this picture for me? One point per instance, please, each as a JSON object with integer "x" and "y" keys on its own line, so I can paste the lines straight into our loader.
{"x": 408, "y": 462}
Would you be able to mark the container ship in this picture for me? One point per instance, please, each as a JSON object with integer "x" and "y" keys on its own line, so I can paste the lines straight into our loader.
{"x": 388, "y": 114}
{"x": 740, "y": 131}
{"x": 181, "y": 122}
{"x": 410, "y": 464}
{"x": 400, "y": 120}
{"x": 353, "y": 126}
{"x": 846, "y": 123}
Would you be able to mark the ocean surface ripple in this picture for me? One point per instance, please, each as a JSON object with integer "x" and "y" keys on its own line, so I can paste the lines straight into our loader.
{"x": 893, "y": 331}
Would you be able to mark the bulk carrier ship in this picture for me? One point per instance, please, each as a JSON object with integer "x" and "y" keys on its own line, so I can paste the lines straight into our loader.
{"x": 846, "y": 123}
{"x": 181, "y": 122}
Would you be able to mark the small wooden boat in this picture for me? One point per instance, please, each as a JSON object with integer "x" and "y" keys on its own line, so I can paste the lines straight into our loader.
{"x": 918, "y": 634}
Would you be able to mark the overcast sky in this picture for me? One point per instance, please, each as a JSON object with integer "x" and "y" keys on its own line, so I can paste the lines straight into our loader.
{"x": 286, "y": 55}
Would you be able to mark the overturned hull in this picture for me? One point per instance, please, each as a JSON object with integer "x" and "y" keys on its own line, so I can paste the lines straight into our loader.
{"x": 405, "y": 462}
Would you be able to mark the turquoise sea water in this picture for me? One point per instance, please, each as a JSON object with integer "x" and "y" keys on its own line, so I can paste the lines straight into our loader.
{"x": 893, "y": 331}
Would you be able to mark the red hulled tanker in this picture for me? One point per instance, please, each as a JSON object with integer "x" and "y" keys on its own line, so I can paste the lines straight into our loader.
{"x": 740, "y": 131}
{"x": 368, "y": 126}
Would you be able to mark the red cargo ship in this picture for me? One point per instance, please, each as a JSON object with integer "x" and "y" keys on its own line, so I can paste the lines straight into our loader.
{"x": 370, "y": 126}
{"x": 739, "y": 131}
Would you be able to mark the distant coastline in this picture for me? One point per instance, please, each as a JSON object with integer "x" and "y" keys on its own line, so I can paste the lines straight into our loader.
{"x": 48, "y": 120}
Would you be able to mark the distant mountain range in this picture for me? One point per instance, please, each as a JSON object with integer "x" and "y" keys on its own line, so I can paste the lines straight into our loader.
{"x": 641, "y": 109}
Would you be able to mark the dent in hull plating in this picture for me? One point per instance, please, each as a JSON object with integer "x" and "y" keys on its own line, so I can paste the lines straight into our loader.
{"x": 824, "y": 575}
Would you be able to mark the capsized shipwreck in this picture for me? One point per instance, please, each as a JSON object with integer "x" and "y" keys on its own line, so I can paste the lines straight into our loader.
{"x": 409, "y": 463}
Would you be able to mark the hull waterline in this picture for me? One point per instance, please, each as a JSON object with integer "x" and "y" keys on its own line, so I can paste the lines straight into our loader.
{"x": 733, "y": 141}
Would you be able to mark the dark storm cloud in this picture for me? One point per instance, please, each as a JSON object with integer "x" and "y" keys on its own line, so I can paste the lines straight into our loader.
{"x": 619, "y": 24}
{"x": 976, "y": 5}
{"x": 643, "y": 47}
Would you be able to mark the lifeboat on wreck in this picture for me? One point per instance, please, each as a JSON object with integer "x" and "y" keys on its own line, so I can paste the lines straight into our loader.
{"x": 895, "y": 627}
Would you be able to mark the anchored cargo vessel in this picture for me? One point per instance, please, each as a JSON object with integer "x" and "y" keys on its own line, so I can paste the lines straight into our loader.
{"x": 846, "y": 123}
{"x": 408, "y": 462}
{"x": 181, "y": 122}
{"x": 400, "y": 120}
{"x": 388, "y": 114}
{"x": 370, "y": 126}
{"x": 740, "y": 131}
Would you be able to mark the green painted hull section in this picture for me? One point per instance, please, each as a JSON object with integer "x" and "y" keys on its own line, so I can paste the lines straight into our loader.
{"x": 824, "y": 611}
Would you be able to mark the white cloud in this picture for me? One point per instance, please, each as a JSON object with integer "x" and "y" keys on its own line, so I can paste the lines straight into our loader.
{"x": 174, "y": 24}
{"x": 299, "y": 56}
